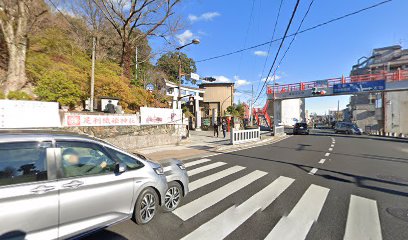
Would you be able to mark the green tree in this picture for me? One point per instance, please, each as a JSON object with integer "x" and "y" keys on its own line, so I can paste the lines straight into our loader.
{"x": 18, "y": 95}
{"x": 56, "y": 86}
{"x": 169, "y": 64}
{"x": 236, "y": 110}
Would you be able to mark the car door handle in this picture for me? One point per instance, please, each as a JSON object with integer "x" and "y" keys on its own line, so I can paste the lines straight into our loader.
{"x": 42, "y": 189}
{"x": 73, "y": 184}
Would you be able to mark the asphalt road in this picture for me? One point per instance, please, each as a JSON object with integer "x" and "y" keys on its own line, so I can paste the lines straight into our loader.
{"x": 319, "y": 186}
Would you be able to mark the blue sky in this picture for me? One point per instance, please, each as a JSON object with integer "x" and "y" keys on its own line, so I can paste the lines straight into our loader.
{"x": 326, "y": 52}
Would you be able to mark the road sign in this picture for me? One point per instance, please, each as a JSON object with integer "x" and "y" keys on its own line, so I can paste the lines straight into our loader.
{"x": 378, "y": 85}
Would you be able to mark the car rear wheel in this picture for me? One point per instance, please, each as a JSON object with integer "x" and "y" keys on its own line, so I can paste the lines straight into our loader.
{"x": 146, "y": 206}
{"x": 174, "y": 195}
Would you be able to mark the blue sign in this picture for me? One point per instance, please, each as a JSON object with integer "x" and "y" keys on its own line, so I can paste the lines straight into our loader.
{"x": 378, "y": 85}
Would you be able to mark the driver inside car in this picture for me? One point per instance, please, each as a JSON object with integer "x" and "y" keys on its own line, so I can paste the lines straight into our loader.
{"x": 73, "y": 167}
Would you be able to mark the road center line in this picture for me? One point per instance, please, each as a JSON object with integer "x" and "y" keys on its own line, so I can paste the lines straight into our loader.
{"x": 327, "y": 154}
{"x": 322, "y": 161}
{"x": 330, "y": 149}
{"x": 313, "y": 171}
{"x": 363, "y": 221}
{"x": 332, "y": 145}
{"x": 229, "y": 220}
{"x": 299, "y": 221}
{"x": 191, "y": 209}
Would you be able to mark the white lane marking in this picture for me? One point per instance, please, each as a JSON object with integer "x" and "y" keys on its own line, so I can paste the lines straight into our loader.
{"x": 190, "y": 164}
{"x": 299, "y": 221}
{"x": 322, "y": 160}
{"x": 327, "y": 154}
{"x": 363, "y": 221}
{"x": 200, "y": 204}
{"x": 313, "y": 171}
{"x": 229, "y": 220}
{"x": 214, "y": 177}
{"x": 330, "y": 149}
{"x": 332, "y": 145}
{"x": 204, "y": 168}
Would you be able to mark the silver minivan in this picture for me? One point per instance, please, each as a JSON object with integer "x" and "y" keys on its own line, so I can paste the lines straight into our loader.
{"x": 61, "y": 185}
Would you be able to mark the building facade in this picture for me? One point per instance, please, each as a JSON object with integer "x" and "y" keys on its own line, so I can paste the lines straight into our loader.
{"x": 217, "y": 98}
{"x": 385, "y": 111}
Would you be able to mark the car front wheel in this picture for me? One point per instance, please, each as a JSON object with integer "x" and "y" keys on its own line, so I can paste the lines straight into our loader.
{"x": 146, "y": 206}
{"x": 173, "y": 197}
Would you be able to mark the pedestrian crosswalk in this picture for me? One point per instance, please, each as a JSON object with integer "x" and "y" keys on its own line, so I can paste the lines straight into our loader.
{"x": 362, "y": 221}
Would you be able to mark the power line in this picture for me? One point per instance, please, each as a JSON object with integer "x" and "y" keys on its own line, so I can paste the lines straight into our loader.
{"x": 290, "y": 44}
{"x": 303, "y": 31}
{"x": 270, "y": 44}
{"x": 280, "y": 46}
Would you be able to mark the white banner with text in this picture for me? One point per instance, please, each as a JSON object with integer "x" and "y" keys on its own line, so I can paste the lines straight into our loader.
{"x": 86, "y": 120}
{"x": 28, "y": 114}
{"x": 153, "y": 116}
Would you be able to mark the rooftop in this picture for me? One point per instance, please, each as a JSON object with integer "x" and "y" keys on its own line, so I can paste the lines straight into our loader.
{"x": 216, "y": 84}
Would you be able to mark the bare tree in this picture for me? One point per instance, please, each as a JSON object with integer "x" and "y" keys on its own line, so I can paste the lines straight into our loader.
{"x": 148, "y": 16}
{"x": 15, "y": 22}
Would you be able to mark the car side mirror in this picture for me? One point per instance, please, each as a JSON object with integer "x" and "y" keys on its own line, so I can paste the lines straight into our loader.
{"x": 120, "y": 168}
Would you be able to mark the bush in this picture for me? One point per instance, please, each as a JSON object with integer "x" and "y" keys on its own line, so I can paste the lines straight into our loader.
{"x": 2, "y": 95}
{"x": 56, "y": 87}
{"x": 19, "y": 95}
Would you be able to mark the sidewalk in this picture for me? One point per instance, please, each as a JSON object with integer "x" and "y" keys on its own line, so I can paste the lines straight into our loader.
{"x": 200, "y": 143}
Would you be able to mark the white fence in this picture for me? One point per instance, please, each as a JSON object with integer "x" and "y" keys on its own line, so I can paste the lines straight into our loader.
{"x": 242, "y": 136}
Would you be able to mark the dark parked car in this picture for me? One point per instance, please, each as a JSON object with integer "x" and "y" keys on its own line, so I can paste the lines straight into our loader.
{"x": 300, "y": 128}
{"x": 348, "y": 128}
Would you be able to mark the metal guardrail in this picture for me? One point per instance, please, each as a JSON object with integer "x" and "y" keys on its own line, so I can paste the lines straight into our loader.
{"x": 242, "y": 136}
{"x": 278, "y": 130}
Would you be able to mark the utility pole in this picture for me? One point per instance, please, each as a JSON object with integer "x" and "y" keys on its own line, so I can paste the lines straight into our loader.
{"x": 251, "y": 105}
{"x": 338, "y": 110}
{"x": 179, "y": 79}
{"x": 91, "y": 102}
{"x": 136, "y": 64}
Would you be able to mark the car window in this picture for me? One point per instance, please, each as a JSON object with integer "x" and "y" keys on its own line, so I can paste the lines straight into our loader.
{"x": 23, "y": 162}
{"x": 82, "y": 159}
{"x": 130, "y": 162}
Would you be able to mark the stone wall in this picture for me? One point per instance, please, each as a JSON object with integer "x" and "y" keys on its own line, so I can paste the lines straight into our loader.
{"x": 135, "y": 137}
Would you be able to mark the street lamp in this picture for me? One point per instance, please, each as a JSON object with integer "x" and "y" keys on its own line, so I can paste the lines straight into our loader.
{"x": 194, "y": 41}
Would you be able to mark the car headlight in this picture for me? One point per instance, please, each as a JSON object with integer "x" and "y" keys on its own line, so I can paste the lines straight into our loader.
{"x": 159, "y": 170}
{"x": 181, "y": 166}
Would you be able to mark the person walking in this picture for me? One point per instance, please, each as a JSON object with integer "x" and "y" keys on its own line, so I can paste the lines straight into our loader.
{"x": 216, "y": 126}
{"x": 224, "y": 127}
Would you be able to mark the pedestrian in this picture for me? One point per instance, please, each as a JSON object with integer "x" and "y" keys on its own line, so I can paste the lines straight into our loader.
{"x": 224, "y": 127}
{"x": 118, "y": 109}
{"x": 216, "y": 126}
{"x": 109, "y": 108}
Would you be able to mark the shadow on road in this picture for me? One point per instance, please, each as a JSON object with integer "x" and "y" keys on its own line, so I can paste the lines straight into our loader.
{"x": 105, "y": 234}
{"x": 358, "y": 180}
{"x": 367, "y": 156}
